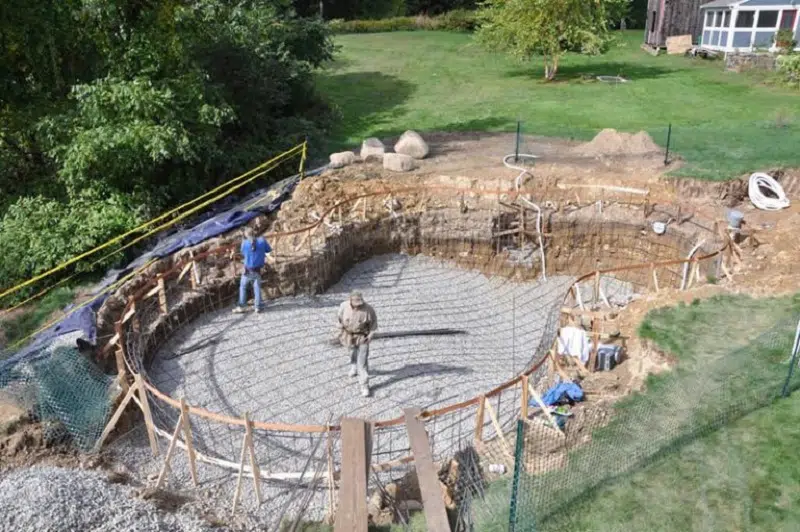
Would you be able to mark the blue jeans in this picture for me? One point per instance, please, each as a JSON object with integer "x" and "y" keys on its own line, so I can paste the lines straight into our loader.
{"x": 248, "y": 278}
{"x": 359, "y": 359}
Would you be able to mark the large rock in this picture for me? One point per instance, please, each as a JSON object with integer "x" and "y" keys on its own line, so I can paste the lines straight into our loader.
{"x": 411, "y": 143}
{"x": 398, "y": 162}
{"x": 372, "y": 149}
{"x": 342, "y": 159}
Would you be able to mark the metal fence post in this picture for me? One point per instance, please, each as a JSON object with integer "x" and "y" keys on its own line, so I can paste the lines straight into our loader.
{"x": 516, "y": 146}
{"x": 518, "y": 461}
{"x": 792, "y": 362}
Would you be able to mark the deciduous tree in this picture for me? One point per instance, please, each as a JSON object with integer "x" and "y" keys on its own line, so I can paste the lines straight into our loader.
{"x": 546, "y": 28}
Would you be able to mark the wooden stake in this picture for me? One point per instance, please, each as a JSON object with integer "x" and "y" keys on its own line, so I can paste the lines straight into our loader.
{"x": 506, "y": 447}
{"x": 148, "y": 418}
{"x": 524, "y": 398}
{"x": 171, "y": 449}
{"x": 331, "y": 481}
{"x": 655, "y": 278}
{"x": 187, "y": 435}
{"x": 242, "y": 458}
{"x": 184, "y": 271}
{"x": 595, "y": 344}
{"x": 596, "y": 289}
{"x": 162, "y": 296}
{"x": 114, "y": 419}
{"x": 479, "y": 417}
{"x": 544, "y": 408}
{"x": 364, "y": 210}
{"x": 253, "y": 462}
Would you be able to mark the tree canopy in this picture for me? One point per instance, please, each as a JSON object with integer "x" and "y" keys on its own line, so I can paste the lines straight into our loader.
{"x": 548, "y": 28}
{"x": 112, "y": 110}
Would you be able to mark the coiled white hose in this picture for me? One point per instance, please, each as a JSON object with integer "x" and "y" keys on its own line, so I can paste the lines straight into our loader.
{"x": 774, "y": 202}
{"x": 517, "y": 184}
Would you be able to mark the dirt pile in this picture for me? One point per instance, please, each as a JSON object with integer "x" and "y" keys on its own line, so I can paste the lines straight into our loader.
{"x": 612, "y": 142}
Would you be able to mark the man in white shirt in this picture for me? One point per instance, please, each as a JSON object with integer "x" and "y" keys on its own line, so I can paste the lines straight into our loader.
{"x": 358, "y": 322}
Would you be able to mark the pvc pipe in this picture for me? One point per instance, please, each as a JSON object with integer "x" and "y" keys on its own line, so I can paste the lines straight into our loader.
{"x": 686, "y": 264}
{"x": 517, "y": 183}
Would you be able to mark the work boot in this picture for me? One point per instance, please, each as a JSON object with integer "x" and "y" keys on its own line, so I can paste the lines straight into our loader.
{"x": 364, "y": 390}
{"x": 353, "y": 371}
{"x": 239, "y": 310}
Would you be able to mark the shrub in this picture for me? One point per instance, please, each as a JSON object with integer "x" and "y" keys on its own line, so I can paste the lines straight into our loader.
{"x": 784, "y": 40}
{"x": 789, "y": 70}
{"x": 457, "y": 20}
{"x": 373, "y": 26}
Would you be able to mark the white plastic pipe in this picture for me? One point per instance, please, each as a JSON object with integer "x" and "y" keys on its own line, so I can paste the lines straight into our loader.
{"x": 686, "y": 264}
{"x": 776, "y": 202}
{"x": 517, "y": 184}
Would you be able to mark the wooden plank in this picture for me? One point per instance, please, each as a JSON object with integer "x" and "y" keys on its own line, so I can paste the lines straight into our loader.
{"x": 479, "y": 418}
{"x": 187, "y": 435}
{"x": 499, "y": 430}
{"x": 162, "y": 296}
{"x": 432, "y": 501}
{"x": 148, "y": 418}
{"x": 253, "y": 462}
{"x": 184, "y": 271}
{"x": 544, "y": 408}
{"x": 240, "y": 476}
{"x": 351, "y": 515}
{"x": 170, "y": 450}
{"x": 524, "y": 398}
{"x": 131, "y": 313}
{"x": 115, "y": 418}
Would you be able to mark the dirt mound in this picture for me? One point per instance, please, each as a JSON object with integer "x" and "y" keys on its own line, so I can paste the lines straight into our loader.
{"x": 612, "y": 142}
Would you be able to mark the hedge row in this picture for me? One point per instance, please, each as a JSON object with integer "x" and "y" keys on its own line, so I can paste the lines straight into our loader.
{"x": 457, "y": 20}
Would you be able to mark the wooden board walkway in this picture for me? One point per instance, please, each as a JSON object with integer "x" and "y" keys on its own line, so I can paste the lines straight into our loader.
{"x": 432, "y": 500}
{"x": 351, "y": 515}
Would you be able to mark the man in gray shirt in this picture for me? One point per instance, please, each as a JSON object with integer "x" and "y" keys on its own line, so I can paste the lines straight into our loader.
{"x": 358, "y": 322}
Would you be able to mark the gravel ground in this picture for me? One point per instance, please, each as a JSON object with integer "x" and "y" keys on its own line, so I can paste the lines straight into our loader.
{"x": 45, "y": 499}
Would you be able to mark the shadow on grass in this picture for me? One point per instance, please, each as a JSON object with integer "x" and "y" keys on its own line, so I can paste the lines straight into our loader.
{"x": 569, "y": 72}
{"x": 362, "y": 99}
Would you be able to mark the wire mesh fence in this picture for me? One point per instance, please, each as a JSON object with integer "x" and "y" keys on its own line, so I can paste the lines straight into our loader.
{"x": 558, "y": 474}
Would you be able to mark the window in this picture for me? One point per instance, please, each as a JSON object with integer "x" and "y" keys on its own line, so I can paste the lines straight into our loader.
{"x": 767, "y": 19}
{"x": 727, "y": 22}
{"x": 718, "y": 21}
{"x": 709, "y": 18}
{"x": 745, "y": 19}
{"x": 787, "y": 20}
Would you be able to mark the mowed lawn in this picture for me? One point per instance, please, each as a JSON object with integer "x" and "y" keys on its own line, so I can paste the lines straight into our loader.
{"x": 724, "y": 124}
{"x": 709, "y": 446}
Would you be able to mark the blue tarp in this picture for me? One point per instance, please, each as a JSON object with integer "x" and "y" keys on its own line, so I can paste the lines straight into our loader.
{"x": 224, "y": 217}
{"x": 563, "y": 391}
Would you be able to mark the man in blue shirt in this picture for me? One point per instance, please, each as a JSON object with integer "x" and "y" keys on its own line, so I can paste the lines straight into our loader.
{"x": 254, "y": 252}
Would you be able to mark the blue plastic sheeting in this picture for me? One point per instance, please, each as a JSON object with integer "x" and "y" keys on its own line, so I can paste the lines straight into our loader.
{"x": 563, "y": 391}
{"x": 224, "y": 217}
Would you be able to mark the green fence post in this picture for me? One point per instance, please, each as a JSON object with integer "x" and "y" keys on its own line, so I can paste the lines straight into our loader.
{"x": 793, "y": 362}
{"x": 518, "y": 461}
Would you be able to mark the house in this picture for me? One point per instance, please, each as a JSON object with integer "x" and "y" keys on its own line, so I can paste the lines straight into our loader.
{"x": 745, "y": 25}
{"x": 668, "y": 18}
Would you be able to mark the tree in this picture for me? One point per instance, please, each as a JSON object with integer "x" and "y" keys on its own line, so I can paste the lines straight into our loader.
{"x": 113, "y": 110}
{"x": 546, "y": 28}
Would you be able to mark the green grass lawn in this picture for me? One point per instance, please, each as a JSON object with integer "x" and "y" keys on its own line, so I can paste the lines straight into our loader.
{"x": 707, "y": 447}
{"x": 724, "y": 124}
{"x": 34, "y": 316}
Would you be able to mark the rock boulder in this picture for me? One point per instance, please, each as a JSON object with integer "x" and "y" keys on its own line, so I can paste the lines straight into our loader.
{"x": 342, "y": 159}
{"x": 372, "y": 149}
{"x": 398, "y": 162}
{"x": 411, "y": 143}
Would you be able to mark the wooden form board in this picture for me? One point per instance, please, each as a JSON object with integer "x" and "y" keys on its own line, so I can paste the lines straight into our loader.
{"x": 352, "y": 515}
{"x": 432, "y": 501}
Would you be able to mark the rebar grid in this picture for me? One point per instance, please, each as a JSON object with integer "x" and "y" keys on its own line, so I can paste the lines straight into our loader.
{"x": 456, "y": 244}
